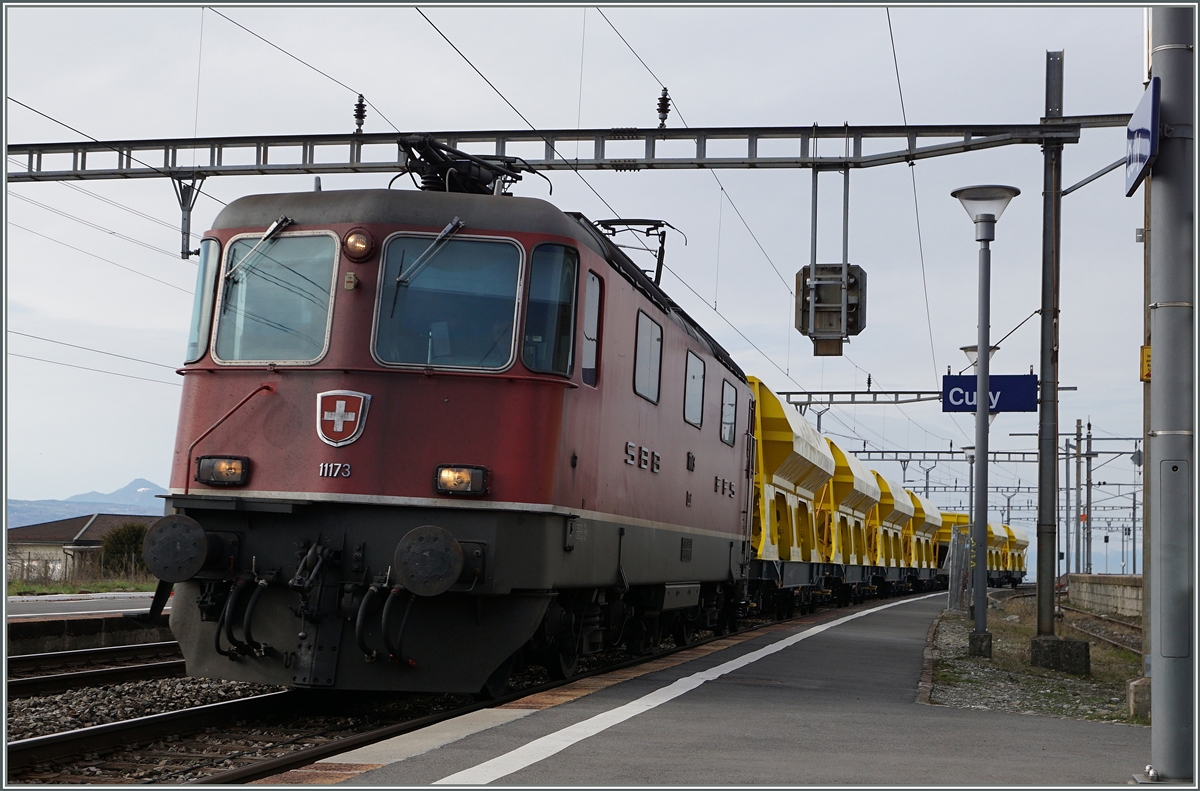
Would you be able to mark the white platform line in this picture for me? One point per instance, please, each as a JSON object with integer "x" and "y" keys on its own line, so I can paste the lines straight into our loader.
{"x": 548, "y": 745}
{"x": 51, "y": 615}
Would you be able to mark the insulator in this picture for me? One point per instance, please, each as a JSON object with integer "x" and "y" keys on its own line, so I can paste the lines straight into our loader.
{"x": 664, "y": 108}
{"x": 360, "y": 112}
{"x": 431, "y": 181}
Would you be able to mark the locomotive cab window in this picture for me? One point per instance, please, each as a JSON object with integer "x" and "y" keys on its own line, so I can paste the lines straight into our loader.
{"x": 455, "y": 308}
{"x": 202, "y": 304}
{"x": 728, "y": 412}
{"x": 647, "y": 358}
{"x": 591, "y": 329}
{"x": 693, "y": 391}
{"x": 275, "y": 299}
{"x": 549, "y": 344}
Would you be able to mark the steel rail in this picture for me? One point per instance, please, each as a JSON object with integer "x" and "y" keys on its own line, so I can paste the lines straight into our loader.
{"x": 1102, "y": 638}
{"x": 54, "y": 746}
{"x": 63, "y": 682}
{"x": 84, "y": 656}
{"x": 1103, "y": 617}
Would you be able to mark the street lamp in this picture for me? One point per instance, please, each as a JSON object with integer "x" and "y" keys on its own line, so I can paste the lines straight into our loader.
{"x": 985, "y": 204}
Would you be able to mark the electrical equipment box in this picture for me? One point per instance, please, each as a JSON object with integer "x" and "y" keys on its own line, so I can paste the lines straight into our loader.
{"x": 831, "y": 305}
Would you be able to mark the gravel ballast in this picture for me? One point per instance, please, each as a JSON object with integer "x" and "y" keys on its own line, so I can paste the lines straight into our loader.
{"x": 80, "y": 708}
{"x": 1007, "y": 681}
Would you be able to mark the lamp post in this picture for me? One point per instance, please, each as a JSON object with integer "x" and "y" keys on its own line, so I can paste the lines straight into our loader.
{"x": 984, "y": 204}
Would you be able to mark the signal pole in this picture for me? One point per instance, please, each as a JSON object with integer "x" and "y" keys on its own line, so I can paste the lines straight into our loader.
{"x": 1067, "y": 492}
{"x": 1078, "y": 497}
{"x": 1088, "y": 507}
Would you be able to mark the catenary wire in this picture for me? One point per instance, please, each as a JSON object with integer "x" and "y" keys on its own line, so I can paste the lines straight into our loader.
{"x": 521, "y": 115}
{"x": 733, "y": 205}
{"x": 916, "y": 205}
{"x": 598, "y": 195}
{"x": 101, "y": 228}
{"x": 105, "y": 260}
{"x": 96, "y": 370}
{"x": 305, "y": 63}
{"x": 713, "y": 173}
{"x": 114, "y": 203}
{"x": 89, "y": 349}
{"x": 160, "y": 171}
{"x": 199, "y": 64}
{"x": 1006, "y": 336}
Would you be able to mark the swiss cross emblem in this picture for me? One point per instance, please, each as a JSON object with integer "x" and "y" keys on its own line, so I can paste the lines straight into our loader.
{"x": 341, "y": 415}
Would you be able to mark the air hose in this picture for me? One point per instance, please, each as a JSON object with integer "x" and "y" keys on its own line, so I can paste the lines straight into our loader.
{"x": 394, "y": 648}
{"x": 230, "y": 606}
{"x": 258, "y": 648}
{"x": 360, "y": 623}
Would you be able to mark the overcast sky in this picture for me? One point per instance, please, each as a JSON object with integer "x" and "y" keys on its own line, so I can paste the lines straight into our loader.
{"x": 140, "y": 72}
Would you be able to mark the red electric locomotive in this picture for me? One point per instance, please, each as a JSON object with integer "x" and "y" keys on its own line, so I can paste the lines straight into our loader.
{"x": 424, "y": 431}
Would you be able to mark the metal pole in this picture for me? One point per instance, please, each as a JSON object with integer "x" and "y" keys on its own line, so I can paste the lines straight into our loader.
{"x": 982, "y": 399}
{"x": 1088, "y": 505}
{"x": 1172, "y": 398}
{"x": 1078, "y": 496}
{"x": 1067, "y": 491}
{"x": 1047, "y": 540}
{"x": 1147, "y": 526}
{"x": 1133, "y": 537}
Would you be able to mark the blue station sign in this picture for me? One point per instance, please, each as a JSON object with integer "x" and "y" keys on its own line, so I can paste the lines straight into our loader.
{"x": 1009, "y": 393}
{"x": 1141, "y": 138}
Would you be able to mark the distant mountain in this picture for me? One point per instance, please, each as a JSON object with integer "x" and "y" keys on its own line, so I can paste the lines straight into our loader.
{"x": 139, "y": 492}
{"x": 136, "y": 499}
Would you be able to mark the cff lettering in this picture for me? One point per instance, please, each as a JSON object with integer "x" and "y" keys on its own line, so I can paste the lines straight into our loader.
{"x": 723, "y": 486}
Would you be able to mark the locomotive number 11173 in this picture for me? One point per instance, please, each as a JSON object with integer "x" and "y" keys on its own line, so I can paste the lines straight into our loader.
{"x": 332, "y": 470}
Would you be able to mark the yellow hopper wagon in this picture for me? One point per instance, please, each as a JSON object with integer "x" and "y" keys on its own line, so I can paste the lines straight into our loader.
{"x": 889, "y": 533}
{"x": 920, "y": 547}
{"x": 792, "y": 464}
{"x": 824, "y": 527}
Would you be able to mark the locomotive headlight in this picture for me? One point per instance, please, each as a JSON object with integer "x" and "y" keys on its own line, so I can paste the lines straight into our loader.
{"x": 458, "y": 479}
{"x": 358, "y": 244}
{"x": 223, "y": 470}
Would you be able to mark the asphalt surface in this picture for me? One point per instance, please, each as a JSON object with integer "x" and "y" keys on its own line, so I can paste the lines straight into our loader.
{"x": 836, "y": 707}
{"x": 31, "y": 607}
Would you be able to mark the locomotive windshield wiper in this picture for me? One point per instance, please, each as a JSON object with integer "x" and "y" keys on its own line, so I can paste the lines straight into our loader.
{"x": 435, "y": 247}
{"x": 404, "y": 278}
{"x": 272, "y": 231}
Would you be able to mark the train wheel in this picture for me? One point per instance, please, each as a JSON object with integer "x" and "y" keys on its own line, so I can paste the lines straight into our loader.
{"x": 563, "y": 661}
{"x": 683, "y": 631}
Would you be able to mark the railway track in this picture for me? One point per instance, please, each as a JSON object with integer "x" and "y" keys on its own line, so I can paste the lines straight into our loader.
{"x": 247, "y": 739}
{"x": 28, "y": 663}
{"x": 27, "y": 676}
{"x": 1131, "y": 642}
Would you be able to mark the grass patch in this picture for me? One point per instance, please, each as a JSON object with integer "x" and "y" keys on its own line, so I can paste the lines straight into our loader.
{"x": 19, "y": 588}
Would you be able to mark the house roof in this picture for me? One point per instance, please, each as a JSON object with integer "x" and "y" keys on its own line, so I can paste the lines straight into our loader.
{"x": 86, "y": 530}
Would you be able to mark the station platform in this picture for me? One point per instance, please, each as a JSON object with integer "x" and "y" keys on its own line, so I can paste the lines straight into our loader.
{"x": 827, "y": 700}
